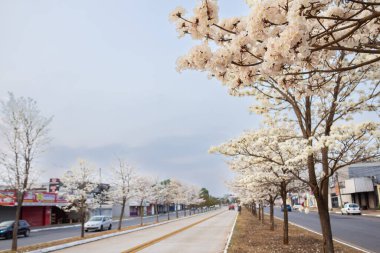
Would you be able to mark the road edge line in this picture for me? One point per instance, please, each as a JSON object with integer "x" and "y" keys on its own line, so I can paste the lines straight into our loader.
{"x": 89, "y": 240}
{"x": 337, "y": 240}
{"x": 147, "y": 244}
{"x": 230, "y": 235}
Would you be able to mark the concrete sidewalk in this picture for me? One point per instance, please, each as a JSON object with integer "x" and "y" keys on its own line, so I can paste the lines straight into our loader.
{"x": 127, "y": 241}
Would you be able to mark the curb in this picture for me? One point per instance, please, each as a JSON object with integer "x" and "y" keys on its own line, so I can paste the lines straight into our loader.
{"x": 230, "y": 235}
{"x": 84, "y": 241}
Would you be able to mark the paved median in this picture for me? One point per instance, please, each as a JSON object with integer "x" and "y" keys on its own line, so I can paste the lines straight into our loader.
{"x": 133, "y": 240}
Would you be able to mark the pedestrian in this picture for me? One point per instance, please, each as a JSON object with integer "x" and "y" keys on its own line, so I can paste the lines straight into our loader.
{"x": 239, "y": 209}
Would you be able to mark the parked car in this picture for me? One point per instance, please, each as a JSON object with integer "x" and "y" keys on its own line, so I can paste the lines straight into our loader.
{"x": 289, "y": 207}
{"x": 351, "y": 208}
{"x": 231, "y": 207}
{"x": 297, "y": 207}
{"x": 6, "y": 228}
{"x": 98, "y": 223}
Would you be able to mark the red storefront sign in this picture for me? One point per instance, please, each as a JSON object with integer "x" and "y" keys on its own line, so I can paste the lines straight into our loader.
{"x": 8, "y": 198}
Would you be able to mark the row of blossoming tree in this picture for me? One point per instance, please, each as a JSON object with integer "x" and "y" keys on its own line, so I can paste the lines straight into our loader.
{"x": 25, "y": 135}
{"x": 310, "y": 66}
{"x": 80, "y": 190}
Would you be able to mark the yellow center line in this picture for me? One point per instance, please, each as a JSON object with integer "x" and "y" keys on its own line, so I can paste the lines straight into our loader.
{"x": 154, "y": 241}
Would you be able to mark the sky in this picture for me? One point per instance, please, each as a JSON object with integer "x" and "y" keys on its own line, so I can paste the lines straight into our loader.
{"x": 106, "y": 71}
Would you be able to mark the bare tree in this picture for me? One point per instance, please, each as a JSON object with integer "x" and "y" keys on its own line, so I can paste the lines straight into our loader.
{"x": 25, "y": 133}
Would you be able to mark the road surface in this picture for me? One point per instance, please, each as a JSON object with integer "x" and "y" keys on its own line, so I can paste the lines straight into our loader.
{"x": 361, "y": 231}
{"x": 207, "y": 233}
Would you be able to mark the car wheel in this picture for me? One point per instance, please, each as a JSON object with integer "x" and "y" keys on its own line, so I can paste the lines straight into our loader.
{"x": 8, "y": 235}
{"x": 27, "y": 233}
{"x": 86, "y": 230}
{"x": 101, "y": 228}
{"x": 110, "y": 227}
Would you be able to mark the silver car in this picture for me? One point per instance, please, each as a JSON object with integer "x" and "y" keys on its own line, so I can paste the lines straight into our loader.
{"x": 98, "y": 223}
{"x": 351, "y": 208}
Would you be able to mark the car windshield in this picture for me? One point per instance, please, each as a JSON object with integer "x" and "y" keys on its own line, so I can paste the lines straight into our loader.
{"x": 354, "y": 205}
{"x": 96, "y": 218}
{"x": 6, "y": 223}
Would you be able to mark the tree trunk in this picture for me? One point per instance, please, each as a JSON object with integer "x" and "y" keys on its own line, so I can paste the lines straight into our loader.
{"x": 262, "y": 213}
{"x": 271, "y": 211}
{"x": 286, "y": 222}
{"x": 168, "y": 211}
{"x": 176, "y": 210}
{"x": 324, "y": 218}
{"x": 122, "y": 212}
{"x": 259, "y": 211}
{"x": 156, "y": 207}
{"x": 141, "y": 213}
{"x": 254, "y": 208}
{"x": 20, "y": 200}
{"x": 82, "y": 219}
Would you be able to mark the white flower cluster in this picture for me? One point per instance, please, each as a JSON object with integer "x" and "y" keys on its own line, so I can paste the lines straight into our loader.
{"x": 279, "y": 38}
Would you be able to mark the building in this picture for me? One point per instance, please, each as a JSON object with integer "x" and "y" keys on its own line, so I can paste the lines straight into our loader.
{"x": 38, "y": 208}
{"x": 357, "y": 183}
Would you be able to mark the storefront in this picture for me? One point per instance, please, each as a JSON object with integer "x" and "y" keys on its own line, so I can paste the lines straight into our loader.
{"x": 38, "y": 209}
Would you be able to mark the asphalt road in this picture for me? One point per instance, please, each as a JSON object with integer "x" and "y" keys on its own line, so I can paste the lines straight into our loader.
{"x": 61, "y": 233}
{"x": 357, "y": 230}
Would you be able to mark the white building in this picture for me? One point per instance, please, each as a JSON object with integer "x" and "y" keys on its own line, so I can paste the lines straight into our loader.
{"x": 357, "y": 183}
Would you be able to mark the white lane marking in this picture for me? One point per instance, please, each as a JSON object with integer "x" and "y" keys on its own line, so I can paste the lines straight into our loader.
{"x": 337, "y": 240}
{"x": 230, "y": 235}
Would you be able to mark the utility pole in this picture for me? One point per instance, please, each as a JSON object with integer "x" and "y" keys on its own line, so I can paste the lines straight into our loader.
{"x": 101, "y": 189}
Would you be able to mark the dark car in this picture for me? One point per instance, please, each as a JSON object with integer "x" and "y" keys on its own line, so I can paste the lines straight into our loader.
{"x": 287, "y": 206}
{"x": 6, "y": 228}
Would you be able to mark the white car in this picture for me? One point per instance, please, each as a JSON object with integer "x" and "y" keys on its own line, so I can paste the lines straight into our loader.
{"x": 297, "y": 207}
{"x": 351, "y": 208}
{"x": 98, "y": 223}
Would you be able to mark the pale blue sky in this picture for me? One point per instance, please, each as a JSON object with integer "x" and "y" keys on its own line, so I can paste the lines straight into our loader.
{"x": 106, "y": 71}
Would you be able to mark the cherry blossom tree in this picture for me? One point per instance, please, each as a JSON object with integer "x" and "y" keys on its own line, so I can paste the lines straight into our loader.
{"x": 143, "y": 193}
{"x": 192, "y": 198}
{"x": 168, "y": 194}
{"x": 157, "y": 197}
{"x": 178, "y": 192}
{"x": 313, "y": 63}
{"x": 272, "y": 159}
{"x": 25, "y": 136}
{"x": 123, "y": 185}
{"x": 78, "y": 185}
